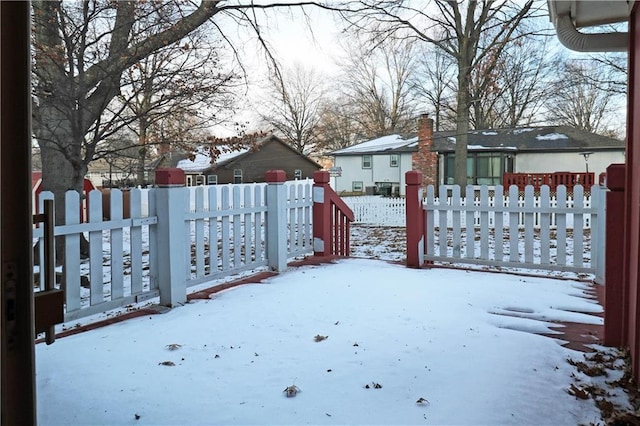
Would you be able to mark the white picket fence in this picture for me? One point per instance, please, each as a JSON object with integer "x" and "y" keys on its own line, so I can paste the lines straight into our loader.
{"x": 534, "y": 231}
{"x": 384, "y": 211}
{"x": 377, "y": 210}
{"x": 194, "y": 235}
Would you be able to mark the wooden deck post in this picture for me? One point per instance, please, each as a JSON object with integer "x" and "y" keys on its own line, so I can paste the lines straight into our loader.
{"x": 415, "y": 219}
{"x": 321, "y": 215}
{"x": 276, "y": 220}
{"x": 616, "y": 310}
{"x": 171, "y": 204}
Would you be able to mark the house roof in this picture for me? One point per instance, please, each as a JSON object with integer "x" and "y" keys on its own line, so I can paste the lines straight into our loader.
{"x": 382, "y": 145}
{"x": 201, "y": 162}
{"x": 523, "y": 139}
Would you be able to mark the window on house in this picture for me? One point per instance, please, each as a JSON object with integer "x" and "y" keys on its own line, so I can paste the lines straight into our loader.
{"x": 394, "y": 160}
{"x": 297, "y": 174}
{"x": 484, "y": 168}
{"x": 189, "y": 180}
{"x": 212, "y": 180}
{"x": 366, "y": 161}
{"x": 237, "y": 175}
{"x": 199, "y": 180}
{"x": 357, "y": 186}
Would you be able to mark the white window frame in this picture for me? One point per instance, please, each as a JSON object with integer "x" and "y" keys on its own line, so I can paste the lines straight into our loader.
{"x": 297, "y": 174}
{"x": 357, "y": 184}
{"x": 370, "y": 157}
{"x": 394, "y": 160}
{"x": 237, "y": 173}
{"x": 212, "y": 179}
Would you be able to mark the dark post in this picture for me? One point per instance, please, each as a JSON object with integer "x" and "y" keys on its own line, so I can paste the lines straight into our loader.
{"x": 616, "y": 309}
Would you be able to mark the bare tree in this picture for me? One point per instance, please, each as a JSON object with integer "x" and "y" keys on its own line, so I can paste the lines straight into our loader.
{"x": 377, "y": 83}
{"x": 517, "y": 88}
{"x": 435, "y": 82}
{"x": 184, "y": 81}
{"x": 456, "y": 28}
{"x": 337, "y": 127}
{"x": 579, "y": 99}
{"x": 82, "y": 50}
{"x": 293, "y": 108}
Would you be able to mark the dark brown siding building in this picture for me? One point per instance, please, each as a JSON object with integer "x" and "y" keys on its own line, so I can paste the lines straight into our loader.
{"x": 244, "y": 166}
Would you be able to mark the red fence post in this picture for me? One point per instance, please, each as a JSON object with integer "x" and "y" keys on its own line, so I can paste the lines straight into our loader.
{"x": 616, "y": 309}
{"x": 321, "y": 214}
{"x": 415, "y": 219}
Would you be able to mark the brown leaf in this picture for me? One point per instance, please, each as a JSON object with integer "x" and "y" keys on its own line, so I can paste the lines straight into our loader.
{"x": 578, "y": 392}
{"x": 319, "y": 338}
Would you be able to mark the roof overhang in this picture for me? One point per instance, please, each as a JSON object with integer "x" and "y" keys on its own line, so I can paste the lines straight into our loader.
{"x": 569, "y": 15}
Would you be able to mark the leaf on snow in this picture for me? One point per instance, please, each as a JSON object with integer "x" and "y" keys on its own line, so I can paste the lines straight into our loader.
{"x": 422, "y": 401}
{"x": 578, "y": 392}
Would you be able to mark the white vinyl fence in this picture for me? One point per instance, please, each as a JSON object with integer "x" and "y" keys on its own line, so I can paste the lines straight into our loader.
{"x": 377, "y": 210}
{"x": 534, "y": 231}
{"x": 175, "y": 238}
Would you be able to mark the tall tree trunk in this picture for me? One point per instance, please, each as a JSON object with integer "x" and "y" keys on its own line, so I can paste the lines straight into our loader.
{"x": 462, "y": 128}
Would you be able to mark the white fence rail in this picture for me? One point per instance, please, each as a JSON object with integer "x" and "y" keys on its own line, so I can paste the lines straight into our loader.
{"x": 566, "y": 233}
{"x": 199, "y": 234}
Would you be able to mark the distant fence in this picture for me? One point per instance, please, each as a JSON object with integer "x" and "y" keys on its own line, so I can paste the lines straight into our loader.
{"x": 504, "y": 230}
{"x": 384, "y": 211}
{"x": 377, "y": 210}
{"x": 552, "y": 180}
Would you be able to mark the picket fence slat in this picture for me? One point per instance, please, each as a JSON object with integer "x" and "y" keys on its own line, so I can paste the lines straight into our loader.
{"x": 578, "y": 217}
{"x": 135, "y": 246}
{"x": 96, "y": 274}
{"x": 115, "y": 240}
{"x": 545, "y": 222}
{"x": 528, "y": 224}
{"x": 499, "y": 221}
{"x": 514, "y": 219}
{"x": 71, "y": 272}
{"x": 561, "y": 226}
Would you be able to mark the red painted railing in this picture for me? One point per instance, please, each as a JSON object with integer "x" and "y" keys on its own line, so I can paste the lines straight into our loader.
{"x": 553, "y": 180}
{"x": 331, "y": 219}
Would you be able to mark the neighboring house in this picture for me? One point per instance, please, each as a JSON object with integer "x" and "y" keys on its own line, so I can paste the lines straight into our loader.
{"x": 378, "y": 166}
{"x": 239, "y": 166}
{"x": 548, "y": 149}
{"x": 118, "y": 171}
{"x": 374, "y": 167}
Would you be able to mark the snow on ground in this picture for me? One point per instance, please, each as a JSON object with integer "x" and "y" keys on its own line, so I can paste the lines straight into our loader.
{"x": 402, "y": 346}
{"x": 362, "y": 340}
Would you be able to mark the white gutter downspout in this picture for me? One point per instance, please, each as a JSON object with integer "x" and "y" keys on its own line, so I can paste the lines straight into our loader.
{"x": 571, "y": 38}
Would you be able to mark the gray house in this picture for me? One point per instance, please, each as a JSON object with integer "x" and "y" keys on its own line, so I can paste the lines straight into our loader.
{"x": 380, "y": 163}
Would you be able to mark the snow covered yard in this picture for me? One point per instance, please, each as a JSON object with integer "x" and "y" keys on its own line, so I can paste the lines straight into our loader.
{"x": 364, "y": 342}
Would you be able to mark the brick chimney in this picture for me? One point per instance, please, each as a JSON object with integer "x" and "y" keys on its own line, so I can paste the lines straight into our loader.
{"x": 424, "y": 160}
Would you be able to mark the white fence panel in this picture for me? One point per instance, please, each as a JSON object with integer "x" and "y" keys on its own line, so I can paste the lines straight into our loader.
{"x": 377, "y": 210}
{"x": 530, "y": 231}
{"x": 118, "y": 268}
{"x": 224, "y": 233}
